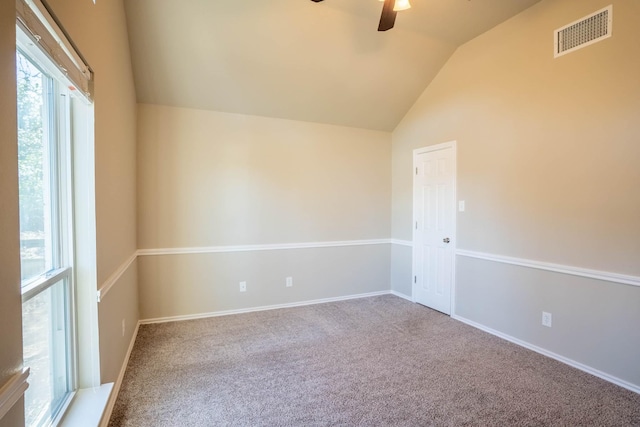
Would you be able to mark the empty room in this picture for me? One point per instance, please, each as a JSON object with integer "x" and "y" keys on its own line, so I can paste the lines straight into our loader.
{"x": 319, "y": 212}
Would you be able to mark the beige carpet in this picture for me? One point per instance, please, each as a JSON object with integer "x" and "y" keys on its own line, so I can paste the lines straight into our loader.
{"x": 379, "y": 361}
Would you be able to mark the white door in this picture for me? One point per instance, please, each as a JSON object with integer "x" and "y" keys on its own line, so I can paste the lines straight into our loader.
{"x": 434, "y": 225}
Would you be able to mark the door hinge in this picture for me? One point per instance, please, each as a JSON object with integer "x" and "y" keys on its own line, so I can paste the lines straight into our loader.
{"x": 416, "y": 225}
{"x": 416, "y": 171}
{"x": 415, "y": 279}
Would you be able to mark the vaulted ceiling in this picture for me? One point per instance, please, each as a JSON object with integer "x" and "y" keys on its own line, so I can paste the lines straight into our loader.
{"x": 296, "y": 59}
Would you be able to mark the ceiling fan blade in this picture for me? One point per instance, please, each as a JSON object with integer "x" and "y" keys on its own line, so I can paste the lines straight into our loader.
{"x": 388, "y": 17}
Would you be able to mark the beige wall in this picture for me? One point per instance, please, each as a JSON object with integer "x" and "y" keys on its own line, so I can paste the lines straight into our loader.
{"x": 100, "y": 33}
{"x": 400, "y": 270}
{"x": 10, "y": 302}
{"x": 120, "y": 303}
{"x": 217, "y": 179}
{"x": 15, "y": 417}
{"x": 594, "y": 322}
{"x": 547, "y": 148}
{"x": 211, "y": 179}
{"x": 548, "y": 166}
{"x": 183, "y": 285}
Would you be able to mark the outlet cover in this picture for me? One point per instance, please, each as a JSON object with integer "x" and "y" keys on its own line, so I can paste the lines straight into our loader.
{"x": 546, "y": 319}
{"x": 289, "y": 282}
{"x": 243, "y": 286}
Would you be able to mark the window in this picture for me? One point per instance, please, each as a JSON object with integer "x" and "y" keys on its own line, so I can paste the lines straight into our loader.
{"x": 45, "y": 238}
{"x": 56, "y": 191}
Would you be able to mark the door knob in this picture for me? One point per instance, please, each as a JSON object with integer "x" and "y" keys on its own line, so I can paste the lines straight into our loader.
{"x": 446, "y": 240}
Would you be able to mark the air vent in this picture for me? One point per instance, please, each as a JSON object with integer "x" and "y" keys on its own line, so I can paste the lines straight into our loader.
{"x": 583, "y": 32}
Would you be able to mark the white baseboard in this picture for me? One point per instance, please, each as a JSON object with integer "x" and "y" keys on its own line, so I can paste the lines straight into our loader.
{"x": 610, "y": 378}
{"x": 116, "y": 386}
{"x": 260, "y": 308}
{"x": 401, "y": 295}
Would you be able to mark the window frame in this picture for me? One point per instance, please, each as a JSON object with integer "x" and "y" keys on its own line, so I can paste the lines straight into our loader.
{"x": 57, "y": 115}
{"x": 38, "y": 25}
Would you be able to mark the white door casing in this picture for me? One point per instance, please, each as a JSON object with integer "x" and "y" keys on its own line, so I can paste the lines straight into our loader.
{"x": 434, "y": 219}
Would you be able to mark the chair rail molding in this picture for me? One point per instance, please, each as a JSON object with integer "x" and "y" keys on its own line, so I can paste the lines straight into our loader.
{"x": 401, "y": 242}
{"x": 266, "y": 247}
{"x": 556, "y": 268}
{"x": 113, "y": 279}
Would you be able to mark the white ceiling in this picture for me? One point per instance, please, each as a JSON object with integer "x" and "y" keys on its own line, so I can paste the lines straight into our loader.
{"x": 296, "y": 59}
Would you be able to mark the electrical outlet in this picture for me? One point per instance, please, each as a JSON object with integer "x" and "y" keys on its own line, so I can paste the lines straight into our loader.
{"x": 546, "y": 319}
{"x": 243, "y": 286}
{"x": 461, "y": 206}
{"x": 289, "y": 282}
{"x": 123, "y": 327}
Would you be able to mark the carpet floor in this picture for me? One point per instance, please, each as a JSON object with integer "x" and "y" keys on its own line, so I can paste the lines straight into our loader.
{"x": 379, "y": 361}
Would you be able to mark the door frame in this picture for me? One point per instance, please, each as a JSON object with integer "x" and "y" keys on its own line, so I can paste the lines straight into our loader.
{"x": 437, "y": 147}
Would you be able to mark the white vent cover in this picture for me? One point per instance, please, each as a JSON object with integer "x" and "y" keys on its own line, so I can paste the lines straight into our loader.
{"x": 583, "y": 32}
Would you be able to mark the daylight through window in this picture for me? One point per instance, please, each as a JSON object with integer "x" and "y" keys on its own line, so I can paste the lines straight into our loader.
{"x": 45, "y": 239}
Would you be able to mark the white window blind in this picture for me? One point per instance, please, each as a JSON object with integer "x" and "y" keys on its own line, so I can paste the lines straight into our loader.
{"x": 37, "y": 22}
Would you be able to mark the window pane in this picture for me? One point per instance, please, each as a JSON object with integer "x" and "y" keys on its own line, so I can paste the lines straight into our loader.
{"x": 46, "y": 310}
{"x": 45, "y": 329}
{"x": 34, "y": 171}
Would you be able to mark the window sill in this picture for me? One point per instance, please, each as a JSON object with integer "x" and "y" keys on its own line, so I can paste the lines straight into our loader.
{"x": 87, "y": 407}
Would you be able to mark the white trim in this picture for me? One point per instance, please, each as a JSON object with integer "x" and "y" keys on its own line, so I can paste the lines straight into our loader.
{"x": 556, "y": 268}
{"x": 87, "y": 407}
{"x": 116, "y": 386}
{"x": 34, "y": 18}
{"x": 41, "y": 283}
{"x": 84, "y": 242}
{"x": 400, "y": 242}
{"x": 268, "y": 247}
{"x": 401, "y": 295}
{"x": 12, "y": 391}
{"x": 610, "y": 378}
{"x": 108, "y": 284}
{"x": 434, "y": 147}
{"x": 260, "y": 308}
{"x": 56, "y": 32}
